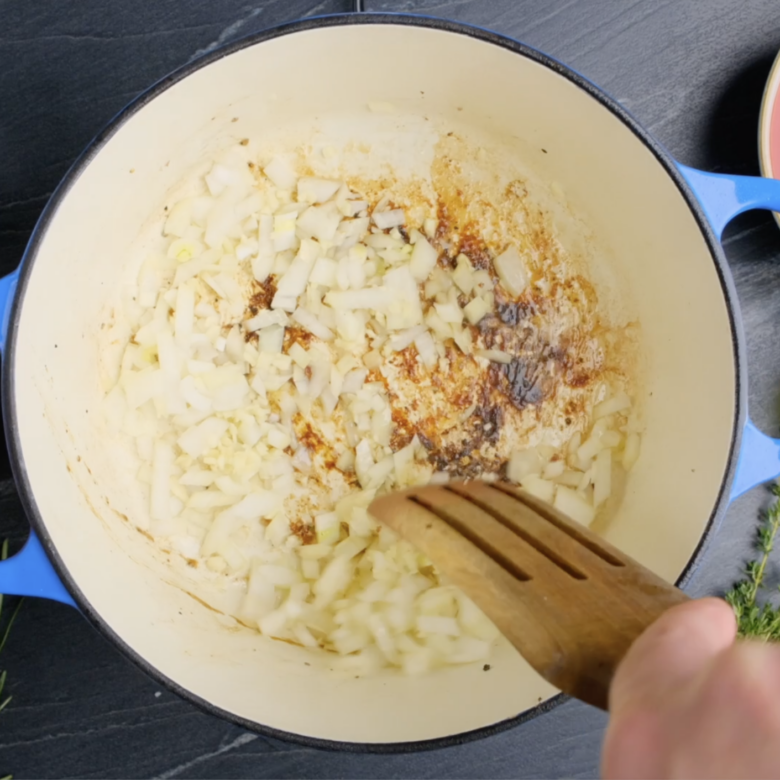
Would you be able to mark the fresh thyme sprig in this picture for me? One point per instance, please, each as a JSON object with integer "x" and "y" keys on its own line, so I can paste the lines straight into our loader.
{"x": 758, "y": 620}
{"x": 4, "y": 638}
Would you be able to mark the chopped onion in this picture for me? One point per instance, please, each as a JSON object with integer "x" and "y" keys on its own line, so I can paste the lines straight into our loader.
{"x": 511, "y": 271}
{"x": 204, "y": 436}
{"x": 264, "y": 259}
{"x": 405, "y": 338}
{"x": 162, "y": 467}
{"x": 571, "y": 503}
{"x": 463, "y": 275}
{"x": 618, "y": 403}
{"x": 281, "y": 173}
{"x": 423, "y": 260}
{"x": 227, "y": 396}
{"x": 542, "y": 489}
{"x": 494, "y": 355}
{"x": 313, "y": 190}
{"x": 377, "y": 298}
{"x": 320, "y": 222}
{"x": 385, "y": 220}
{"x": 476, "y": 309}
{"x": 309, "y": 321}
{"x": 602, "y": 477}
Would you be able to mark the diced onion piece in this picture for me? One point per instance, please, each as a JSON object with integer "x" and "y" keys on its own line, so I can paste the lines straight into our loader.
{"x": 179, "y": 218}
{"x": 162, "y": 466}
{"x": 437, "y": 325}
{"x": 281, "y": 172}
{"x": 572, "y": 504}
{"x": 618, "y": 403}
{"x": 511, "y": 271}
{"x": 385, "y": 220}
{"x": 373, "y": 298}
{"x": 463, "y": 338}
{"x": 353, "y": 381}
{"x": 405, "y": 338}
{"x": 324, "y": 272}
{"x": 333, "y": 581}
{"x": 311, "y": 323}
{"x": 320, "y": 222}
{"x": 271, "y": 339}
{"x": 423, "y": 260}
{"x": 554, "y": 469}
{"x": 449, "y": 312}
{"x": 204, "y": 436}
{"x": 463, "y": 275}
{"x": 193, "y": 396}
{"x": 426, "y": 349}
{"x": 293, "y": 281}
{"x": 602, "y": 477}
{"x": 569, "y": 478}
{"x": 265, "y": 318}
{"x": 327, "y": 527}
{"x": 263, "y": 261}
{"x": 542, "y": 489}
{"x": 494, "y": 355}
{"x": 475, "y": 310}
{"x": 314, "y": 190}
{"x": 283, "y": 235}
{"x": 184, "y": 316}
{"x": 523, "y": 463}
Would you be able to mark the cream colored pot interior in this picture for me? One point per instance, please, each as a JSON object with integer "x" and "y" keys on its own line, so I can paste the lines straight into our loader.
{"x": 649, "y": 260}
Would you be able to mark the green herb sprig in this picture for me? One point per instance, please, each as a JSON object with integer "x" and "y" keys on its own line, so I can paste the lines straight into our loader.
{"x": 4, "y": 638}
{"x": 758, "y": 618}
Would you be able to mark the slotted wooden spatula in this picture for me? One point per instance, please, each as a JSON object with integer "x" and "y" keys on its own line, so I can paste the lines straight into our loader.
{"x": 567, "y": 600}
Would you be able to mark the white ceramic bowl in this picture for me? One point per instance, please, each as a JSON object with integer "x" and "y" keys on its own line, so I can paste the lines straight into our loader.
{"x": 658, "y": 261}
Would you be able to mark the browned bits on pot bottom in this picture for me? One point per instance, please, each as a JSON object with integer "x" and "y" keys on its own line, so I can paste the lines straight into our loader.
{"x": 471, "y": 415}
{"x": 262, "y": 295}
{"x": 293, "y": 334}
{"x": 476, "y": 250}
{"x": 304, "y": 531}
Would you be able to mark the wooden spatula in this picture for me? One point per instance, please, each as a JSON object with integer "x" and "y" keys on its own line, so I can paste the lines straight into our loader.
{"x": 567, "y": 600}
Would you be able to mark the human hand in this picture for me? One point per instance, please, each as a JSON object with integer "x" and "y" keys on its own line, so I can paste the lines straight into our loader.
{"x": 690, "y": 702}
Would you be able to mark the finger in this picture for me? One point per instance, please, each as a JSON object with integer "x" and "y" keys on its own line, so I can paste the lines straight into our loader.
{"x": 732, "y": 727}
{"x": 658, "y": 669}
{"x": 671, "y": 652}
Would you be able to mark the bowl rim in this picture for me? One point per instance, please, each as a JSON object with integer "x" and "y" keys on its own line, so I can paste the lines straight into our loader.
{"x": 13, "y": 438}
{"x": 769, "y": 98}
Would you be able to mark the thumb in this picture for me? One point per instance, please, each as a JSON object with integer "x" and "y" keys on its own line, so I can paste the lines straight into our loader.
{"x": 657, "y": 671}
{"x": 671, "y": 652}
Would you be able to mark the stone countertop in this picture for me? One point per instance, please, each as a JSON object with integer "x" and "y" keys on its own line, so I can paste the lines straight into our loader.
{"x": 691, "y": 71}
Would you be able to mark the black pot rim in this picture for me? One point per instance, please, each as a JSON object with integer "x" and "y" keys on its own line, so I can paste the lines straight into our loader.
{"x": 9, "y": 403}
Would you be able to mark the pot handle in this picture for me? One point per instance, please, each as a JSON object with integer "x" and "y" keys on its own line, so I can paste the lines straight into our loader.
{"x": 7, "y": 290}
{"x": 723, "y": 196}
{"x": 29, "y": 572}
{"x": 759, "y": 460}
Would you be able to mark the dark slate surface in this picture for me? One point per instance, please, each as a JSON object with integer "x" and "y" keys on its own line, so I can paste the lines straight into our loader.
{"x": 691, "y": 71}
